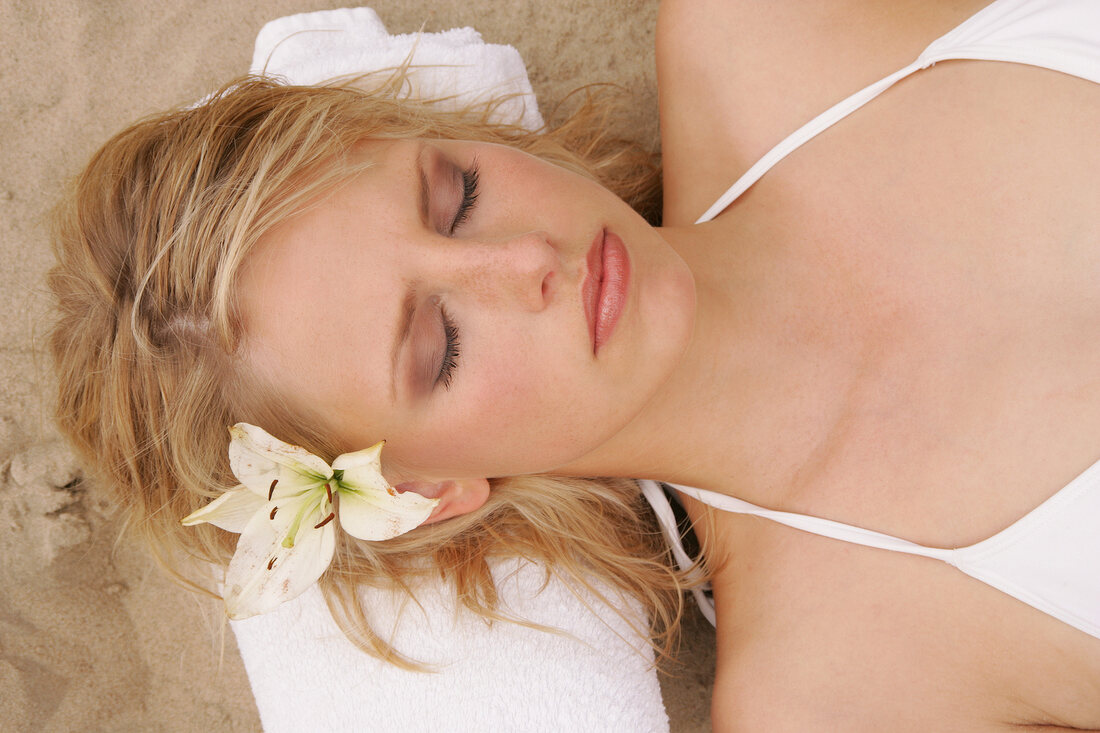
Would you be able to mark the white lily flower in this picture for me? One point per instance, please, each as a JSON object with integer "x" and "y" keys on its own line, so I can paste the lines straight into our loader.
{"x": 285, "y": 509}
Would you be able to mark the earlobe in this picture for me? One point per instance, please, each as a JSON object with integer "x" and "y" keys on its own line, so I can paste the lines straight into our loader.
{"x": 456, "y": 497}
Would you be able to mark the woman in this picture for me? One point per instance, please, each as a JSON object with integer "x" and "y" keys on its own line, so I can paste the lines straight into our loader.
{"x": 890, "y": 329}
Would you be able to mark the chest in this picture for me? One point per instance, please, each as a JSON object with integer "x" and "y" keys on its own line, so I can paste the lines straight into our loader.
{"x": 929, "y": 337}
{"x": 811, "y": 630}
{"x": 927, "y": 305}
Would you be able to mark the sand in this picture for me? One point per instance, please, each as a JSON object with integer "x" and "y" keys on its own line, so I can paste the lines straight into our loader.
{"x": 92, "y": 636}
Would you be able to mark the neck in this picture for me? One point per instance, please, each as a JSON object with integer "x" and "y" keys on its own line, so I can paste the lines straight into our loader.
{"x": 703, "y": 428}
{"x": 769, "y": 371}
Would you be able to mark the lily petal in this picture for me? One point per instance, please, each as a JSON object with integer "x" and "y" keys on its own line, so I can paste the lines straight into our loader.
{"x": 231, "y": 511}
{"x": 258, "y": 459}
{"x": 363, "y": 468}
{"x": 372, "y": 514}
{"x": 264, "y": 574}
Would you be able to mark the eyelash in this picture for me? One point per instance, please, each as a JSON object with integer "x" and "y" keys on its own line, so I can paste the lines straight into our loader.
{"x": 450, "y": 328}
{"x": 469, "y": 195}
{"x": 450, "y": 351}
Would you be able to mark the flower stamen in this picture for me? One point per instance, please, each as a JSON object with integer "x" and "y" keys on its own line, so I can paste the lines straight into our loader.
{"x": 271, "y": 491}
{"x": 271, "y": 563}
{"x": 328, "y": 491}
{"x": 273, "y": 510}
{"x": 326, "y": 520}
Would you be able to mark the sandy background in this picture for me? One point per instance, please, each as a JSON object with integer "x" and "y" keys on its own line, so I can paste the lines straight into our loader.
{"x": 91, "y": 636}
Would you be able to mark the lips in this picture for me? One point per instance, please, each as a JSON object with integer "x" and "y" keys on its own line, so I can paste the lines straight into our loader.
{"x": 605, "y": 286}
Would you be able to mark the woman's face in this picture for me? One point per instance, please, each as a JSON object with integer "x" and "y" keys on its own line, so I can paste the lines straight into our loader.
{"x": 448, "y": 300}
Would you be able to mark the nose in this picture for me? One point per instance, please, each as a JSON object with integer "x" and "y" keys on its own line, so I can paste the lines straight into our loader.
{"x": 520, "y": 269}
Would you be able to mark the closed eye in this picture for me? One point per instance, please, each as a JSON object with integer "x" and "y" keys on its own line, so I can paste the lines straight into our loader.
{"x": 469, "y": 196}
{"x": 449, "y": 362}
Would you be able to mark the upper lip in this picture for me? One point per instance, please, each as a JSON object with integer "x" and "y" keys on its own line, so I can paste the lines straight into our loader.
{"x": 590, "y": 287}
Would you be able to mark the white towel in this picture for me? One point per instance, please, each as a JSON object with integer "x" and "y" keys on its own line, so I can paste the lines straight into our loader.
{"x": 311, "y": 48}
{"x": 305, "y": 675}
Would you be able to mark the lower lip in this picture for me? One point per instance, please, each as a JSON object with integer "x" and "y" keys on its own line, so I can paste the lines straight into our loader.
{"x": 614, "y": 283}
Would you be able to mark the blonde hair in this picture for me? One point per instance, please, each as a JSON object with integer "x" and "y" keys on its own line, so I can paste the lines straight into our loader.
{"x": 146, "y": 346}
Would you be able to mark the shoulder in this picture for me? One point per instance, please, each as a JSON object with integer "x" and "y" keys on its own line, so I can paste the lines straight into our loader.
{"x": 809, "y": 47}
{"x": 735, "y": 77}
{"x": 818, "y": 635}
{"x": 711, "y": 60}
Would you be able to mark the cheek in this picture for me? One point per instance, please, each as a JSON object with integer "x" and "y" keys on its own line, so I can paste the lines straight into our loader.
{"x": 503, "y": 416}
{"x": 520, "y": 416}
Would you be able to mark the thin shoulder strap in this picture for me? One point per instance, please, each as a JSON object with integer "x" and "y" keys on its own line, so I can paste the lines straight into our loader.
{"x": 804, "y": 134}
{"x": 657, "y": 499}
{"x": 817, "y": 525}
{"x": 1053, "y": 34}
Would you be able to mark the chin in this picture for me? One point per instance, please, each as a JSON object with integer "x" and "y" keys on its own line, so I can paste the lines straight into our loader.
{"x": 668, "y": 310}
{"x": 665, "y": 328}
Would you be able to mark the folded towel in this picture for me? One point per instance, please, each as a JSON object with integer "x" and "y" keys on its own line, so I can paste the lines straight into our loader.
{"x": 597, "y": 675}
{"x": 311, "y": 48}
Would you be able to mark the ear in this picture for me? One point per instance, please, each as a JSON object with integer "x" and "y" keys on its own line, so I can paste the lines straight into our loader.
{"x": 455, "y": 497}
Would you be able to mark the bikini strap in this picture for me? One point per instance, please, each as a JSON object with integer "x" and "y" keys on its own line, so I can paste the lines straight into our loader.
{"x": 817, "y": 525}
{"x": 804, "y": 134}
{"x": 1051, "y": 35}
{"x": 655, "y": 495}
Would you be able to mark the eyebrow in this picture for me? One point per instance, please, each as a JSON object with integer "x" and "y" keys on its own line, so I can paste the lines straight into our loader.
{"x": 408, "y": 303}
{"x": 404, "y": 325}
{"x": 424, "y": 188}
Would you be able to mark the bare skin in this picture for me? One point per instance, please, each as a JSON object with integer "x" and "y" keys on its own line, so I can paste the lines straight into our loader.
{"x": 913, "y": 320}
{"x": 895, "y": 328}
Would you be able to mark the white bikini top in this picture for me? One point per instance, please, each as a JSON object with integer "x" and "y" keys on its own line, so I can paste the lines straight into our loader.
{"x": 1050, "y": 558}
